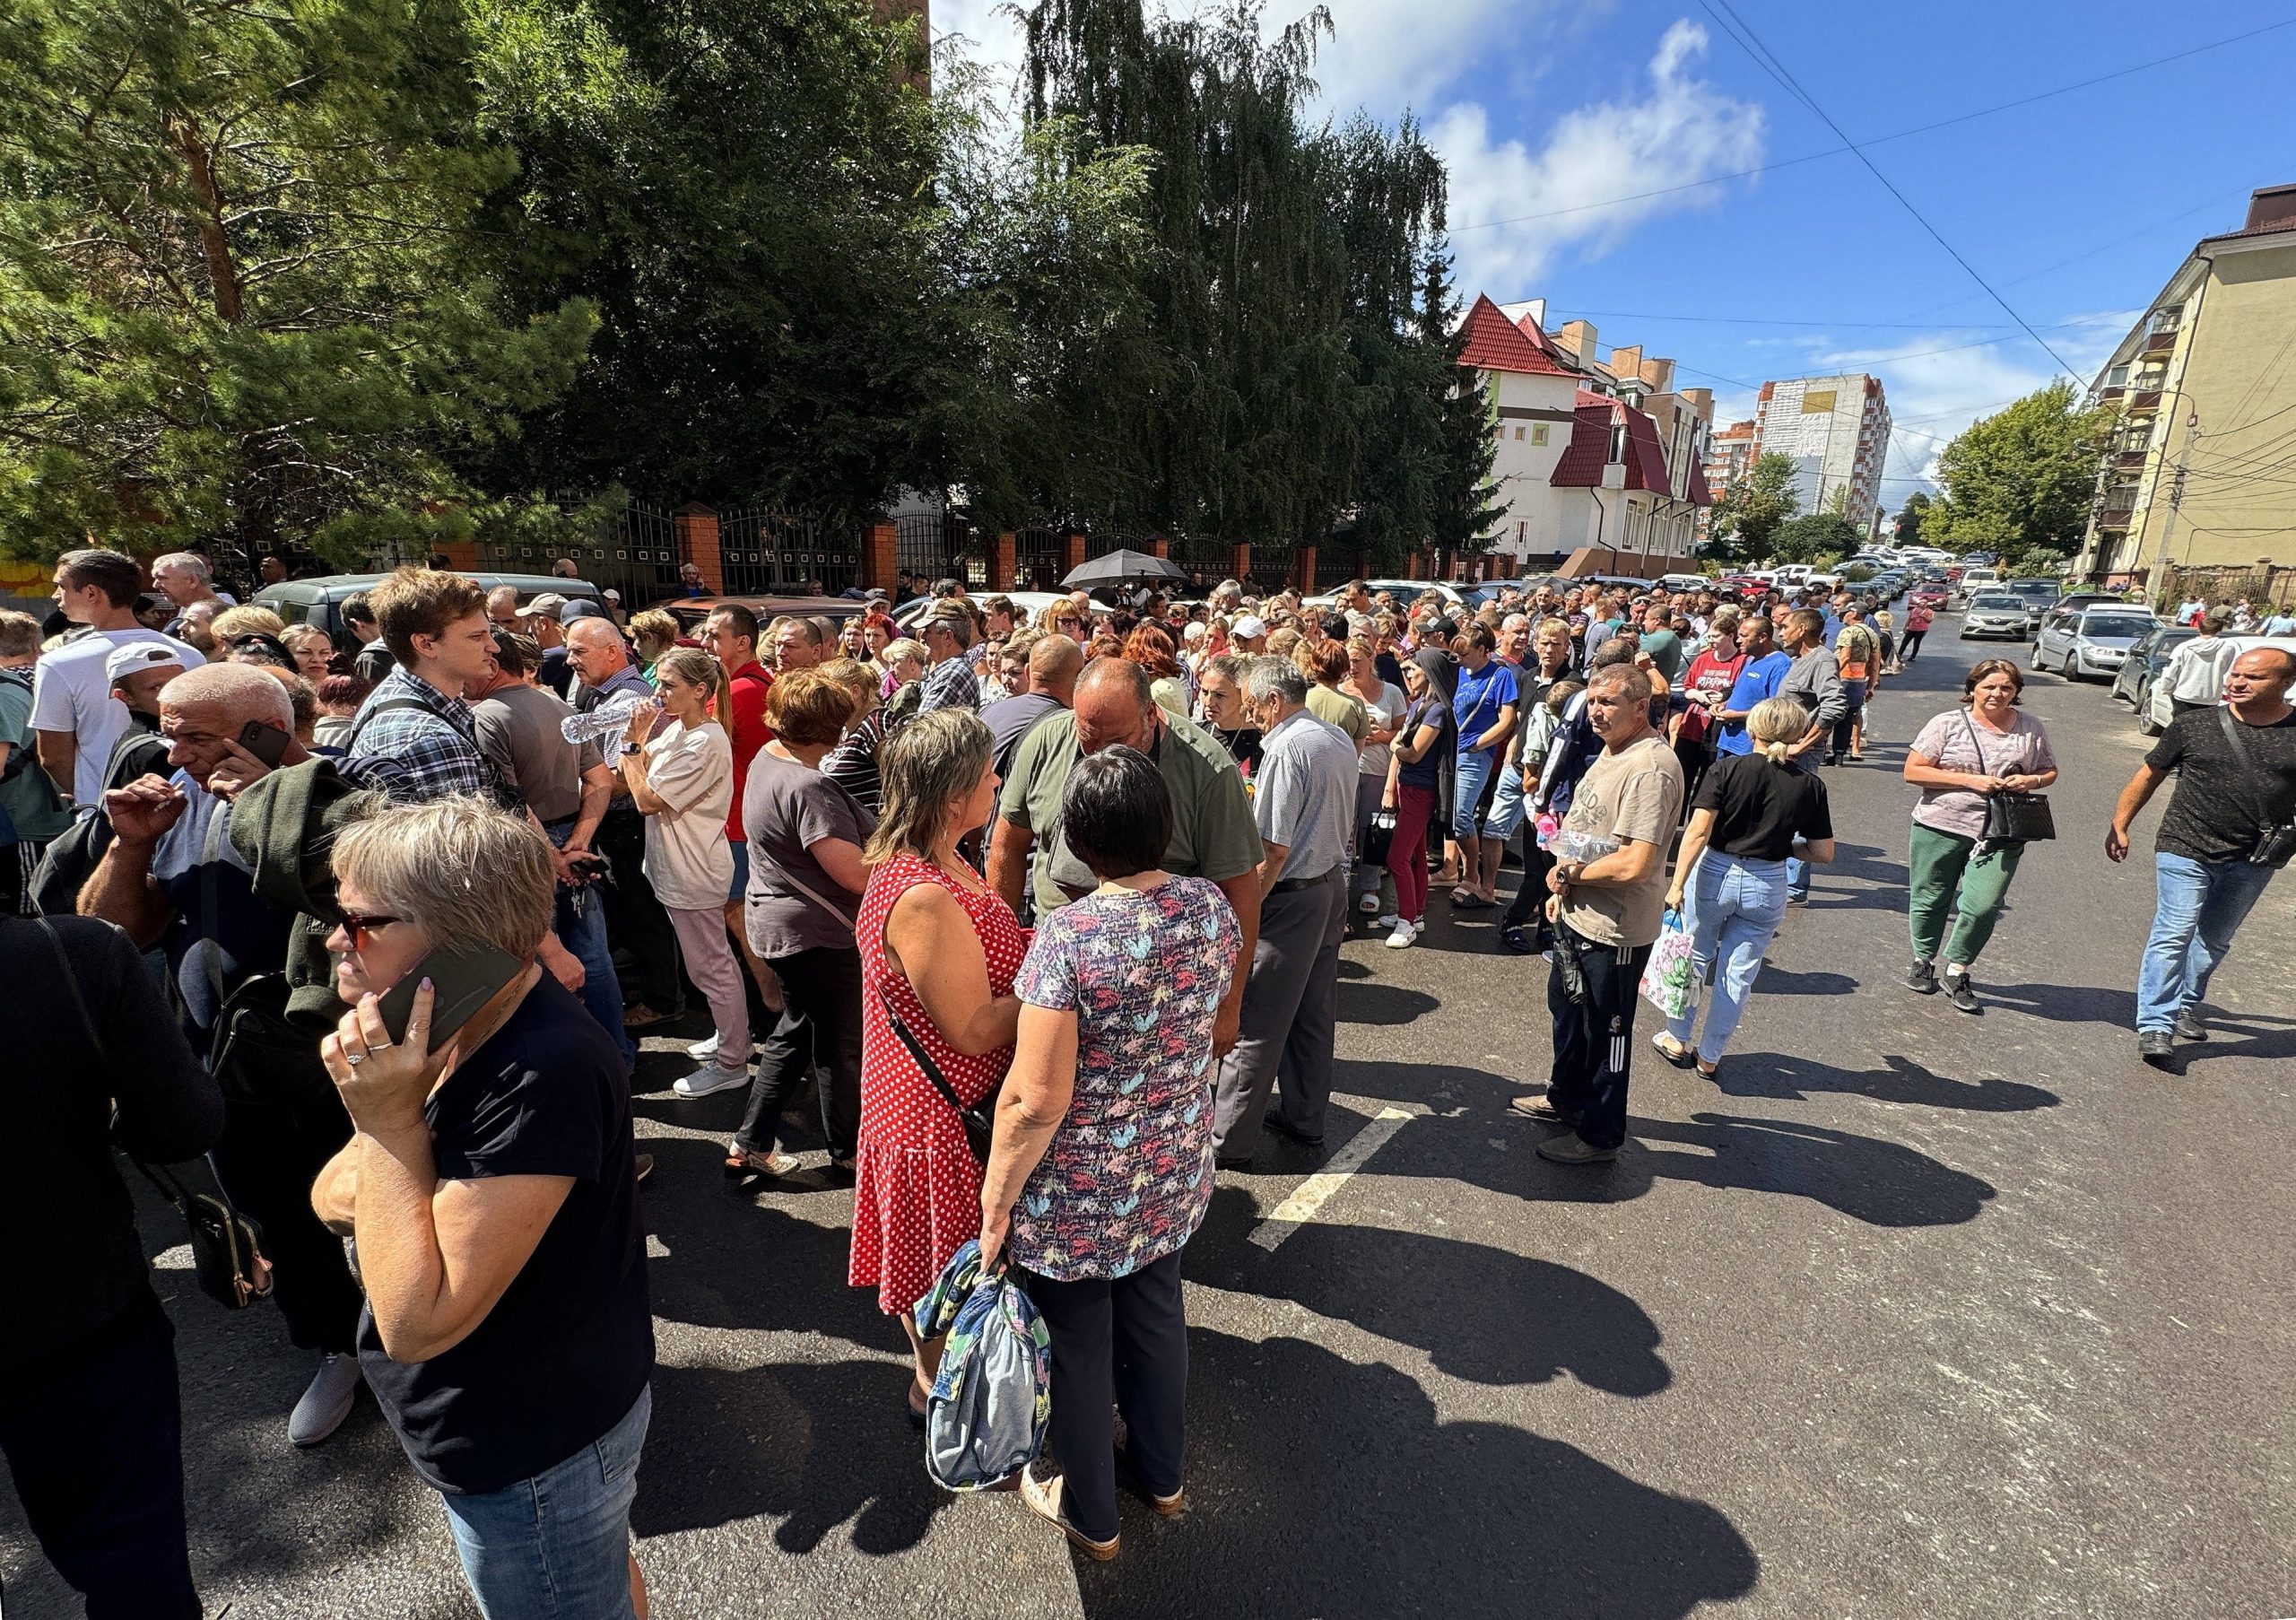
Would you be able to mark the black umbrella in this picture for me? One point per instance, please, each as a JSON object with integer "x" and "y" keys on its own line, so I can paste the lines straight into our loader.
{"x": 1118, "y": 567}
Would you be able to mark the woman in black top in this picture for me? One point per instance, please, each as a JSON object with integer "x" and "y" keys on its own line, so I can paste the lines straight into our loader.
{"x": 89, "y": 1417}
{"x": 492, "y": 1189}
{"x": 1753, "y": 810}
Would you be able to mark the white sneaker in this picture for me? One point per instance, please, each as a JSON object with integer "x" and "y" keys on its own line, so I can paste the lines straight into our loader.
{"x": 702, "y": 1051}
{"x": 327, "y": 1402}
{"x": 1370, "y": 904}
{"x": 1405, "y": 932}
{"x": 710, "y": 1079}
{"x": 1387, "y": 920}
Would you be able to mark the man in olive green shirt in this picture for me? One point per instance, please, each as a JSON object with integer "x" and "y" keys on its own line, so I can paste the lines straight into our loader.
{"x": 1212, "y": 835}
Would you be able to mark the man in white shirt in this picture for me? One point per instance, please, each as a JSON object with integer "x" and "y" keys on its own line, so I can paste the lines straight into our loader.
{"x": 75, "y": 718}
{"x": 2195, "y": 675}
{"x": 187, "y": 580}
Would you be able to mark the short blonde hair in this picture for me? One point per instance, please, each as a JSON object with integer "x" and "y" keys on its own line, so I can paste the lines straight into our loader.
{"x": 459, "y": 868}
{"x": 247, "y": 620}
{"x": 656, "y": 629}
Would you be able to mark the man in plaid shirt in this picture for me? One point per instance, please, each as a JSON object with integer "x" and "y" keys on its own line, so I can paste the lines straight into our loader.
{"x": 414, "y": 738}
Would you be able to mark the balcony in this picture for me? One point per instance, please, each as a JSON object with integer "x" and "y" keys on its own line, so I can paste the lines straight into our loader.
{"x": 2161, "y": 341}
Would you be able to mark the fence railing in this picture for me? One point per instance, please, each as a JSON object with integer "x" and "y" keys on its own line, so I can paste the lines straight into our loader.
{"x": 2272, "y": 584}
{"x": 763, "y": 552}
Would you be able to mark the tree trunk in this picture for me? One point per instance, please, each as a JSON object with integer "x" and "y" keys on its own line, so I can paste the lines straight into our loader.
{"x": 222, "y": 274}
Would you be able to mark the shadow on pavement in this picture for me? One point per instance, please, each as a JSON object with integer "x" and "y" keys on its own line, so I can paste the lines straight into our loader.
{"x": 812, "y": 1444}
{"x": 1324, "y": 1490}
{"x": 1777, "y": 1078}
{"x": 1482, "y": 1313}
{"x": 1368, "y": 1001}
{"x": 1776, "y": 980}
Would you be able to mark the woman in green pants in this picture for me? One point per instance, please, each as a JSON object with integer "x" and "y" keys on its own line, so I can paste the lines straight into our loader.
{"x": 1962, "y": 757}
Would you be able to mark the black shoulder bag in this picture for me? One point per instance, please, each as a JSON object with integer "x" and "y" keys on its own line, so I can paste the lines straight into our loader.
{"x": 2275, "y": 842}
{"x": 2011, "y": 818}
{"x": 226, "y": 1246}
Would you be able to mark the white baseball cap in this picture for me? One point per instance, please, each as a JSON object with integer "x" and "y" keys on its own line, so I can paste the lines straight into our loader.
{"x": 138, "y": 655}
{"x": 1248, "y": 627}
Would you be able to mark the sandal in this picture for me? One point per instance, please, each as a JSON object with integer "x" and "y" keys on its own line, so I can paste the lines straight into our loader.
{"x": 920, "y": 1399}
{"x": 1043, "y": 1499}
{"x": 1681, "y": 1057}
{"x": 741, "y": 1164}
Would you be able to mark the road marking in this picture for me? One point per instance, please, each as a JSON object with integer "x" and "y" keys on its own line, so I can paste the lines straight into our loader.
{"x": 1311, "y": 1195}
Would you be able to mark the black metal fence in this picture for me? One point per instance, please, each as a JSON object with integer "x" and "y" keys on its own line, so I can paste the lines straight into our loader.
{"x": 786, "y": 554}
{"x": 1037, "y": 558}
{"x": 637, "y": 555}
{"x": 939, "y": 545}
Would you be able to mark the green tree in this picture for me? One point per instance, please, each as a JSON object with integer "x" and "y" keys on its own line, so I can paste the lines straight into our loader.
{"x": 238, "y": 300}
{"x": 1815, "y": 536}
{"x": 2020, "y": 482}
{"x": 1750, "y": 513}
{"x": 1910, "y": 517}
{"x": 1463, "y": 513}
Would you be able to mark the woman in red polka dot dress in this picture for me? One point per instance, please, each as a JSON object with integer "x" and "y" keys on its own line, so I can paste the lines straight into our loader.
{"x": 939, "y": 951}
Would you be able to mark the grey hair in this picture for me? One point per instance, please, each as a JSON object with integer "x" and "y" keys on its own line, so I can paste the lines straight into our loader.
{"x": 459, "y": 868}
{"x": 244, "y": 692}
{"x": 1270, "y": 676}
{"x": 1612, "y": 654}
{"x": 191, "y": 562}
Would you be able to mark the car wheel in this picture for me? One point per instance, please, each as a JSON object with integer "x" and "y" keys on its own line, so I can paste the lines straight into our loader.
{"x": 2146, "y": 726}
{"x": 2035, "y": 661}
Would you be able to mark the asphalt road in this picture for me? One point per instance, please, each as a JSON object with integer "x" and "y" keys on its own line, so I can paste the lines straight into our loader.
{"x": 1909, "y": 1313}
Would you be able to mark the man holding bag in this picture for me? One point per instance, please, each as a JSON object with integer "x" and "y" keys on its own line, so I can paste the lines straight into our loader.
{"x": 1607, "y": 911}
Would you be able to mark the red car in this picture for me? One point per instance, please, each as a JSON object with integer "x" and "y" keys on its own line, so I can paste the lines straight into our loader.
{"x": 1931, "y": 597}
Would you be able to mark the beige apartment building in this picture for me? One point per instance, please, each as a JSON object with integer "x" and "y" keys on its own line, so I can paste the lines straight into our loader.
{"x": 1731, "y": 459}
{"x": 2201, "y": 472}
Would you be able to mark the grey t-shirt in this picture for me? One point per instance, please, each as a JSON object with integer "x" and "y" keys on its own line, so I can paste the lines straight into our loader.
{"x": 1814, "y": 681}
{"x": 1304, "y": 796}
{"x": 787, "y": 809}
{"x": 518, "y": 729}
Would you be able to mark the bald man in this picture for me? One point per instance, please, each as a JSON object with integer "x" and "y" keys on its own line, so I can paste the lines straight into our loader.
{"x": 1213, "y": 833}
{"x": 1054, "y": 664}
{"x": 634, "y": 916}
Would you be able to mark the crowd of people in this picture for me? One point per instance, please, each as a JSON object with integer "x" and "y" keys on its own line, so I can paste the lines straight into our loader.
{"x": 1034, "y": 925}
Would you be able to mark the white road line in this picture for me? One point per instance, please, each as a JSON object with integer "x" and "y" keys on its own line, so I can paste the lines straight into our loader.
{"x": 1311, "y": 1195}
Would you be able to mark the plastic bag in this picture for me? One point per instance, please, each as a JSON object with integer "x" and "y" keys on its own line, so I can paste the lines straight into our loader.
{"x": 992, "y": 1398}
{"x": 1666, "y": 976}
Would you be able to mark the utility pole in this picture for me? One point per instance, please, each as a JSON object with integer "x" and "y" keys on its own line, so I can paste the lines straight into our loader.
{"x": 2176, "y": 501}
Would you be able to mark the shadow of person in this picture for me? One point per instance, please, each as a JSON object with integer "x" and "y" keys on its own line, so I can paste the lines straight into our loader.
{"x": 1482, "y": 1313}
{"x": 1370, "y": 1002}
{"x": 1776, "y": 980}
{"x": 2068, "y": 1002}
{"x": 812, "y": 1444}
{"x": 1775, "y": 1077}
{"x": 1320, "y": 1489}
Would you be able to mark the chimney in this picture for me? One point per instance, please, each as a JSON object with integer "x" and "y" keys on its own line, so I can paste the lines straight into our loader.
{"x": 1578, "y": 337}
{"x": 2270, "y": 205}
{"x": 1659, "y": 374}
{"x": 1626, "y": 364}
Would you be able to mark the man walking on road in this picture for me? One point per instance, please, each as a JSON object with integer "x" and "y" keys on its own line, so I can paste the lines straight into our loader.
{"x": 1814, "y": 681}
{"x": 2235, "y": 795}
{"x": 1304, "y": 803}
{"x": 1607, "y": 911}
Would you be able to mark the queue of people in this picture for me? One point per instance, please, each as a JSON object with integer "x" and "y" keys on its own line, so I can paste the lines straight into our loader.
{"x": 1040, "y": 925}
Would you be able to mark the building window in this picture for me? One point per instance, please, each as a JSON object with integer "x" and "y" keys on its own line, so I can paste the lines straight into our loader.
{"x": 1518, "y": 435}
{"x": 1539, "y": 432}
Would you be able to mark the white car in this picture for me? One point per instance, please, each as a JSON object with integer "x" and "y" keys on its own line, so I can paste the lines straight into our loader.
{"x": 2082, "y": 642}
{"x": 1026, "y": 604}
{"x": 1405, "y": 591}
{"x": 1995, "y": 614}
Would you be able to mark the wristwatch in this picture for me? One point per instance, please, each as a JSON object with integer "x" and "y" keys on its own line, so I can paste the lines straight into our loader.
{"x": 629, "y": 748}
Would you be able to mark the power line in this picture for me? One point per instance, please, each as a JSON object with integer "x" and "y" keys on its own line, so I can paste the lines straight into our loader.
{"x": 1777, "y": 71}
{"x": 1850, "y": 146}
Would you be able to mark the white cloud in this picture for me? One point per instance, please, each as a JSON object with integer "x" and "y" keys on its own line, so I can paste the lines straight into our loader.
{"x": 1683, "y": 130}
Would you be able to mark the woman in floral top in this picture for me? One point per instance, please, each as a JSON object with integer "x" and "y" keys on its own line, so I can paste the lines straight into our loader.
{"x": 1101, "y": 1169}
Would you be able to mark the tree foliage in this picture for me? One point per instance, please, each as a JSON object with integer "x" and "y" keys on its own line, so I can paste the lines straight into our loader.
{"x": 1815, "y": 536}
{"x": 1910, "y": 517}
{"x": 238, "y": 298}
{"x": 1751, "y": 511}
{"x": 2019, "y": 483}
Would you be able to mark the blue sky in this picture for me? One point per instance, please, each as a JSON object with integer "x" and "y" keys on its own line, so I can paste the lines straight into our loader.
{"x": 2073, "y": 207}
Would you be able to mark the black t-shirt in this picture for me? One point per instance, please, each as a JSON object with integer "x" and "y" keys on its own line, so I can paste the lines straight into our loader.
{"x": 1760, "y": 808}
{"x": 1242, "y": 746}
{"x": 2224, "y": 799}
{"x": 557, "y": 672}
{"x": 569, "y": 1346}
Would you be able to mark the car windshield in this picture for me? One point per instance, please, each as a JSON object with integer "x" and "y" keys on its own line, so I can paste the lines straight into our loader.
{"x": 2114, "y": 624}
{"x": 2033, "y": 587}
{"x": 1998, "y": 604}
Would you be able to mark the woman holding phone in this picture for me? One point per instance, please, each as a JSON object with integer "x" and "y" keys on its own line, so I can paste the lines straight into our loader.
{"x": 491, "y": 1186}
{"x": 678, "y": 765}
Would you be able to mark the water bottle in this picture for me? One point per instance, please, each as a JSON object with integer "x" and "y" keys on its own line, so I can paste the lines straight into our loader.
{"x": 610, "y": 718}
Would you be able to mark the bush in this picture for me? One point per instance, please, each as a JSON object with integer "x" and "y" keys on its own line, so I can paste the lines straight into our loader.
{"x": 1859, "y": 573}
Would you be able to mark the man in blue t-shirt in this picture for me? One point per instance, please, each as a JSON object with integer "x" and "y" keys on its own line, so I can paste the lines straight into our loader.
{"x": 1765, "y": 668}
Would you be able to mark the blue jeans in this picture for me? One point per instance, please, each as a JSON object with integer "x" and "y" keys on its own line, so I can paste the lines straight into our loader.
{"x": 1797, "y": 877}
{"x": 1472, "y": 774}
{"x": 557, "y": 1546}
{"x": 1733, "y": 907}
{"x": 580, "y": 924}
{"x": 1509, "y": 804}
{"x": 2202, "y": 905}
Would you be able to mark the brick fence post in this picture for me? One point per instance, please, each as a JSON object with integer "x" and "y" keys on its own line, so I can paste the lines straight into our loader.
{"x": 1239, "y": 561}
{"x": 1411, "y": 566}
{"x": 1003, "y": 552}
{"x": 1159, "y": 546}
{"x": 463, "y": 554}
{"x": 880, "y": 557}
{"x": 1072, "y": 552}
{"x": 696, "y": 525}
{"x": 1303, "y": 569}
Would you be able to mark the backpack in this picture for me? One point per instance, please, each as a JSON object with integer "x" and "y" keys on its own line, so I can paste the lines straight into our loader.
{"x": 992, "y": 1397}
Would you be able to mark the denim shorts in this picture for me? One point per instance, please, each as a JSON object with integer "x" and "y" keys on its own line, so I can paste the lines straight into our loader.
{"x": 741, "y": 872}
{"x": 557, "y": 1546}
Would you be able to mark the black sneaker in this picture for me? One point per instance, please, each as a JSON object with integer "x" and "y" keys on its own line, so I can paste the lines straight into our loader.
{"x": 2158, "y": 1048}
{"x": 1959, "y": 991}
{"x": 2189, "y": 1027}
{"x": 1923, "y": 978}
{"x": 1516, "y": 939}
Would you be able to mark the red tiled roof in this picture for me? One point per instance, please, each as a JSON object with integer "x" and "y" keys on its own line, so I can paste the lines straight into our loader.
{"x": 1495, "y": 343}
{"x": 1699, "y": 494}
{"x": 1581, "y": 465}
{"x": 2269, "y": 228}
{"x": 1529, "y": 327}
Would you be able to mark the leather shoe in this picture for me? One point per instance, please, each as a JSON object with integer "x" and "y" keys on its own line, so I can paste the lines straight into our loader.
{"x": 1573, "y": 1149}
{"x": 2189, "y": 1027}
{"x": 1535, "y": 1106}
{"x": 1292, "y": 1133}
{"x": 2158, "y": 1048}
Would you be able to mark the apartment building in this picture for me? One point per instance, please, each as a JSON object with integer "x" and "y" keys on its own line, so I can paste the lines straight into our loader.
{"x": 2198, "y": 472}
{"x": 1836, "y": 431}
{"x": 1730, "y": 456}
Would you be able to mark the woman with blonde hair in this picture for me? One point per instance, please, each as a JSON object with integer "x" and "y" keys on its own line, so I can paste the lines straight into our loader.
{"x": 653, "y": 633}
{"x": 1753, "y": 811}
{"x": 247, "y": 620}
{"x": 678, "y": 764}
{"x": 939, "y": 953}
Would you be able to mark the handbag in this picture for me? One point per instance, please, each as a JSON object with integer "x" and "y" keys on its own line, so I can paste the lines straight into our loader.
{"x": 226, "y": 1246}
{"x": 979, "y": 1120}
{"x": 991, "y": 1401}
{"x": 1379, "y": 836}
{"x": 1666, "y": 976}
{"x": 2277, "y": 843}
{"x": 2011, "y": 817}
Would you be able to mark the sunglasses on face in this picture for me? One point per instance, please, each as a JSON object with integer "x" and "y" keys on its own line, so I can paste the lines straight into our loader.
{"x": 358, "y": 925}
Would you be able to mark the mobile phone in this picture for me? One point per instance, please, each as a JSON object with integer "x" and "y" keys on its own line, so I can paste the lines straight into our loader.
{"x": 463, "y": 979}
{"x": 266, "y": 743}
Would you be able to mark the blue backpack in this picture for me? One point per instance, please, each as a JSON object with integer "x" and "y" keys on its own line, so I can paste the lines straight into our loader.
{"x": 992, "y": 1398}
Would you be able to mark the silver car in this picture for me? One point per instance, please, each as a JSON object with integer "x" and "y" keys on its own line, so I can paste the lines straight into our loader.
{"x": 2082, "y": 642}
{"x": 1994, "y": 613}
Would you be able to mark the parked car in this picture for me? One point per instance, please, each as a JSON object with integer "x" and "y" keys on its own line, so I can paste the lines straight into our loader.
{"x": 691, "y": 610}
{"x": 2079, "y": 599}
{"x": 2038, "y": 596}
{"x": 1026, "y": 604}
{"x": 1929, "y": 594}
{"x": 2154, "y": 715}
{"x": 1684, "y": 581}
{"x": 2082, "y": 642}
{"x": 1995, "y": 615}
{"x": 2134, "y": 684}
{"x": 1974, "y": 581}
{"x": 320, "y": 601}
